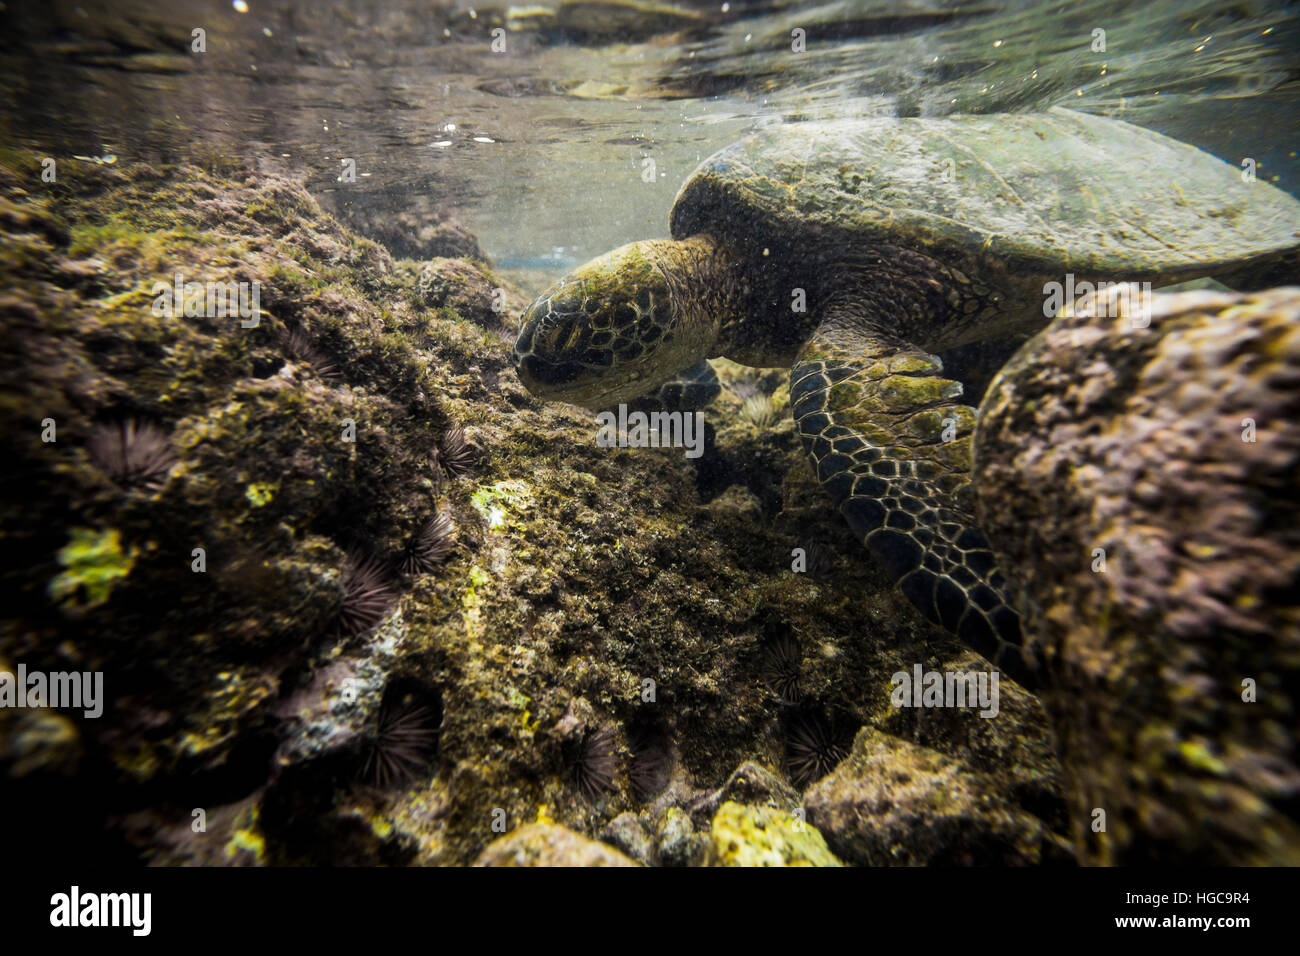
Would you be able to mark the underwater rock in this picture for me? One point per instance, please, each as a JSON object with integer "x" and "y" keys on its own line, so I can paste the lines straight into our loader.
{"x": 752, "y": 784}
{"x": 408, "y": 226}
{"x": 676, "y": 841}
{"x": 892, "y": 803}
{"x": 1138, "y": 477}
{"x": 39, "y": 741}
{"x": 762, "y": 836}
{"x": 584, "y": 581}
{"x": 226, "y": 835}
{"x": 549, "y": 844}
{"x": 626, "y": 834}
{"x": 466, "y": 287}
{"x": 447, "y": 239}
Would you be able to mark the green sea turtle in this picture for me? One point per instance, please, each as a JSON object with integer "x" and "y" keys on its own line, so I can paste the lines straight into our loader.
{"x": 852, "y": 250}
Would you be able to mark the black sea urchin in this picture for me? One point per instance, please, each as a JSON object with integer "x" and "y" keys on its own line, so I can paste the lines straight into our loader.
{"x": 819, "y": 560}
{"x": 812, "y": 748}
{"x": 595, "y": 763}
{"x": 298, "y": 345}
{"x": 430, "y": 545}
{"x": 454, "y": 454}
{"x": 134, "y": 454}
{"x": 405, "y": 742}
{"x": 782, "y": 660}
{"x": 367, "y": 595}
{"x": 651, "y": 761}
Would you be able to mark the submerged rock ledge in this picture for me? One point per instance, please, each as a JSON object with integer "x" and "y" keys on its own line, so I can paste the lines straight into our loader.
{"x": 470, "y": 618}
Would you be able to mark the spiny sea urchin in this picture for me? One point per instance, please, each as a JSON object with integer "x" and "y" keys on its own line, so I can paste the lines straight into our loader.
{"x": 454, "y": 454}
{"x": 134, "y": 454}
{"x": 819, "y": 559}
{"x": 812, "y": 748}
{"x": 651, "y": 760}
{"x": 782, "y": 660}
{"x": 300, "y": 347}
{"x": 595, "y": 763}
{"x": 404, "y": 743}
{"x": 367, "y": 594}
{"x": 430, "y": 545}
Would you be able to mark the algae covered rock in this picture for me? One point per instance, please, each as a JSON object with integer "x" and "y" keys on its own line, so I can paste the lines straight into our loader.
{"x": 892, "y": 803}
{"x": 1139, "y": 475}
{"x": 626, "y": 834}
{"x": 743, "y": 835}
{"x": 754, "y": 784}
{"x": 677, "y": 842}
{"x": 409, "y": 226}
{"x": 549, "y": 844}
{"x": 356, "y": 595}
{"x": 465, "y": 287}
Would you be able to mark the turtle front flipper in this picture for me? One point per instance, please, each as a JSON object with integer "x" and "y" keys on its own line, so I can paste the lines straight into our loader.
{"x": 691, "y": 390}
{"x": 890, "y": 443}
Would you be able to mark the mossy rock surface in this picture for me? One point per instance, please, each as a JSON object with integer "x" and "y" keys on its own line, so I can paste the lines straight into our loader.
{"x": 1139, "y": 475}
{"x": 588, "y": 588}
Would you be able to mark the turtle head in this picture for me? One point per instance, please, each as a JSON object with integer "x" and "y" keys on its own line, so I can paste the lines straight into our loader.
{"x": 612, "y": 329}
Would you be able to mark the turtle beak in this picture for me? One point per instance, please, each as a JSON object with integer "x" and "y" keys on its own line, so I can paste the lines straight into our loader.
{"x": 542, "y": 377}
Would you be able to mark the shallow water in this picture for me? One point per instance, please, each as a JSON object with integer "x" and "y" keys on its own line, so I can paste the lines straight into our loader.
{"x": 541, "y": 149}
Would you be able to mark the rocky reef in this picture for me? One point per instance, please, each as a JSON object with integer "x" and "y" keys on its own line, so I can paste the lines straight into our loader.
{"x": 1137, "y": 474}
{"x": 358, "y": 598}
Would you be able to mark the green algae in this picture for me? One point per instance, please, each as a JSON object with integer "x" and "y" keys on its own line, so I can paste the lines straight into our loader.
{"x": 497, "y": 502}
{"x": 260, "y": 493}
{"x": 94, "y": 563}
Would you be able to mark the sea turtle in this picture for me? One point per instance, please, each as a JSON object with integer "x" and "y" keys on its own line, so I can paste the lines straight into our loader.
{"x": 852, "y": 250}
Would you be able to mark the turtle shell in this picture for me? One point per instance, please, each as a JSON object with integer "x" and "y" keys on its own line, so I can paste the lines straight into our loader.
{"x": 1023, "y": 194}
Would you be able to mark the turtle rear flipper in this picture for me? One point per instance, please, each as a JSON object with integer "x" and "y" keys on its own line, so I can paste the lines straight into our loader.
{"x": 890, "y": 443}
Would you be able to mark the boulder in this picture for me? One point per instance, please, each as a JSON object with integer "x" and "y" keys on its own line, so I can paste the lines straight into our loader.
{"x": 1137, "y": 476}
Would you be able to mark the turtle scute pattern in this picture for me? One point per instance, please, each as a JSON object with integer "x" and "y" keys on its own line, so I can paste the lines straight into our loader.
{"x": 873, "y": 415}
{"x": 577, "y": 319}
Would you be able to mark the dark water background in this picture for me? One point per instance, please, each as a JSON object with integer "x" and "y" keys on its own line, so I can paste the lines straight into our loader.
{"x": 540, "y": 149}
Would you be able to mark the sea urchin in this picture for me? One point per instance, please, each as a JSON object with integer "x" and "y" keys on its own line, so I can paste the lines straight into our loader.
{"x": 406, "y": 740}
{"x": 430, "y": 545}
{"x": 454, "y": 454}
{"x": 367, "y": 594}
{"x": 782, "y": 660}
{"x": 812, "y": 748}
{"x": 134, "y": 454}
{"x": 298, "y": 345}
{"x": 594, "y": 763}
{"x": 651, "y": 761}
